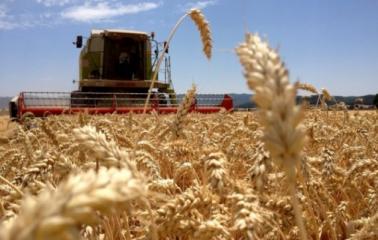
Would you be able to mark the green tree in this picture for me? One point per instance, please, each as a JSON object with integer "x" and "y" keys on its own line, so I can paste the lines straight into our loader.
{"x": 375, "y": 101}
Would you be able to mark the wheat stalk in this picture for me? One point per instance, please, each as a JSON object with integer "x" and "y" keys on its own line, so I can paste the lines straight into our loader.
{"x": 203, "y": 27}
{"x": 275, "y": 96}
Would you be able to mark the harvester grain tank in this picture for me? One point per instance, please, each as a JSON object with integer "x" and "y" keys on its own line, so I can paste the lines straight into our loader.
{"x": 115, "y": 71}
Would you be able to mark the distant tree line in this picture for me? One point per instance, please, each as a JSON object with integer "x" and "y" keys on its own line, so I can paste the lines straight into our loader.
{"x": 243, "y": 100}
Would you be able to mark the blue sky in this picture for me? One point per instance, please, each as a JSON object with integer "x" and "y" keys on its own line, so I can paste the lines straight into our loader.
{"x": 332, "y": 44}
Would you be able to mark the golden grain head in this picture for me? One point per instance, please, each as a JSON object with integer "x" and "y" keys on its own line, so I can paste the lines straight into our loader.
{"x": 204, "y": 29}
{"x": 326, "y": 95}
{"x": 307, "y": 87}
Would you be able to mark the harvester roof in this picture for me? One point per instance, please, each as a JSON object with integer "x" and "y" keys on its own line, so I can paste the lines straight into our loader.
{"x": 115, "y": 32}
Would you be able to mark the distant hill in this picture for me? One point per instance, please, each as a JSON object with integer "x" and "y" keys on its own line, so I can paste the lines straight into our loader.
{"x": 243, "y": 100}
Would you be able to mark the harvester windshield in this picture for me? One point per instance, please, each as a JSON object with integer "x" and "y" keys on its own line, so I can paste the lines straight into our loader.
{"x": 124, "y": 57}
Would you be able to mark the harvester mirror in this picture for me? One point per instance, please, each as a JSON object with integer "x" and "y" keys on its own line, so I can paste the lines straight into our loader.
{"x": 79, "y": 41}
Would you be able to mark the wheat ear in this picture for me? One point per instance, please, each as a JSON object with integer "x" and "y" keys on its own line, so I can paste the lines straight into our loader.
{"x": 307, "y": 87}
{"x": 4, "y": 180}
{"x": 215, "y": 166}
{"x": 275, "y": 96}
{"x": 204, "y": 29}
{"x": 183, "y": 110}
{"x": 326, "y": 95}
{"x": 58, "y": 214}
{"x": 106, "y": 153}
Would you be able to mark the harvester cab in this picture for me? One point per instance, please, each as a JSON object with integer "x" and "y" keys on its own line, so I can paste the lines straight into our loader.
{"x": 115, "y": 71}
{"x": 119, "y": 61}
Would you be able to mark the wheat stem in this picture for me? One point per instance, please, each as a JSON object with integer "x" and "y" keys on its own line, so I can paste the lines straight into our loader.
{"x": 203, "y": 27}
{"x": 160, "y": 60}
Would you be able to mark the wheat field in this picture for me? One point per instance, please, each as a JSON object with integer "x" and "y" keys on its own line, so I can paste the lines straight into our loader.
{"x": 134, "y": 177}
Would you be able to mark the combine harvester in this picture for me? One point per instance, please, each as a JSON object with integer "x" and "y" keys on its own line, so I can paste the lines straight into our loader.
{"x": 116, "y": 69}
